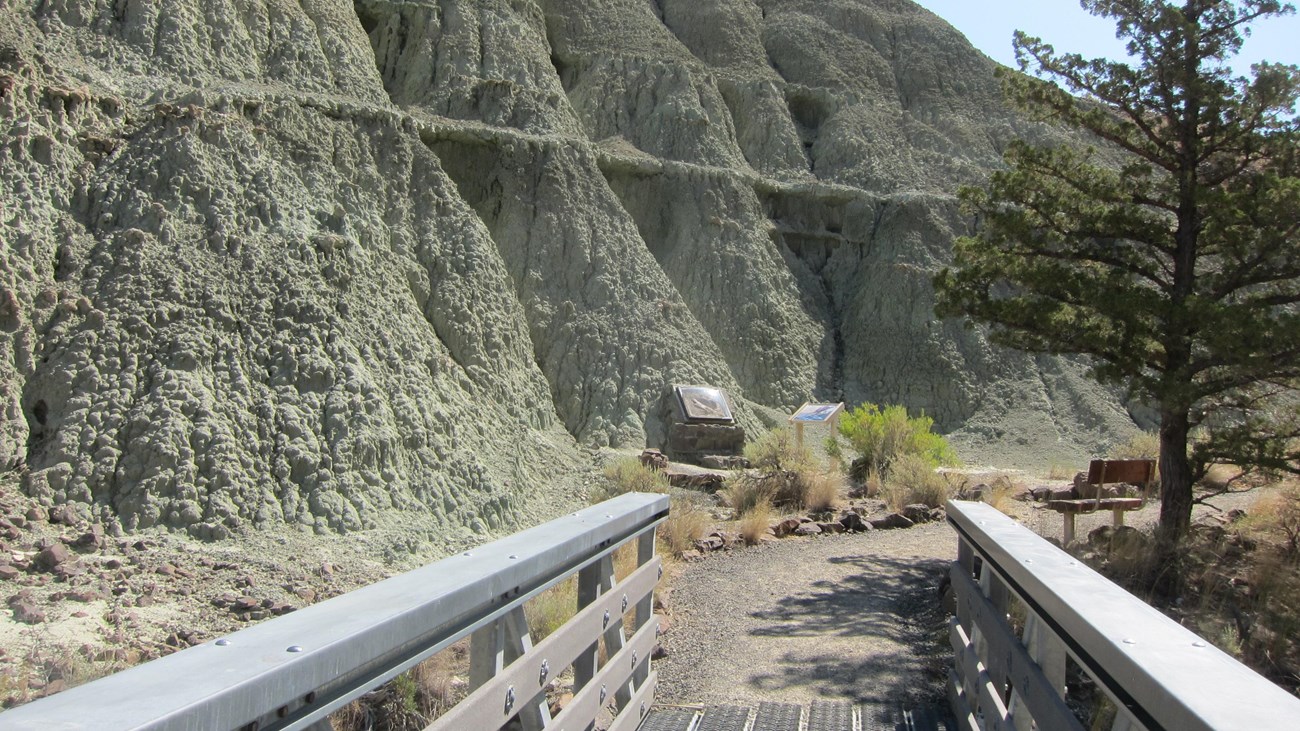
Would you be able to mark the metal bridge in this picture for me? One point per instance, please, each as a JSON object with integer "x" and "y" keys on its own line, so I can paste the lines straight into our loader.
{"x": 1031, "y": 621}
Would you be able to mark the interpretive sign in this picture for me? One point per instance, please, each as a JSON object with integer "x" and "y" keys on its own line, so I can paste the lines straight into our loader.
{"x": 817, "y": 413}
{"x": 704, "y": 403}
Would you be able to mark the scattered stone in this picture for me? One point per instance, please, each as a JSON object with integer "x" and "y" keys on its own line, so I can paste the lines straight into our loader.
{"x": 808, "y": 529}
{"x": 326, "y": 569}
{"x": 112, "y": 564}
{"x": 785, "y": 527}
{"x": 18, "y": 521}
{"x": 691, "y": 555}
{"x": 306, "y": 593}
{"x": 832, "y": 527}
{"x": 51, "y": 557}
{"x": 893, "y": 520}
{"x": 144, "y": 600}
{"x": 225, "y": 600}
{"x": 854, "y": 522}
{"x": 83, "y": 595}
{"x": 36, "y": 515}
{"x": 91, "y": 540}
{"x": 724, "y": 462}
{"x": 702, "y": 481}
{"x": 711, "y": 543}
{"x": 8, "y": 572}
{"x": 245, "y": 604}
{"x": 57, "y": 685}
{"x": 25, "y": 609}
{"x": 166, "y": 570}
{"x": 281, "y": 608}
{"x": 64, "y": 514}
{"x": 916, "y": 512}
{"x": 140, "y": 545}
{"x": 1041, "y": 494}
{"x": 654, "y": 459}
{"x": 243, "y": 582}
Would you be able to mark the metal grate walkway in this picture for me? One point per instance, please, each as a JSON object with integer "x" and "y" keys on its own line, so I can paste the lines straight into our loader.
{"x": 820, "y": 716}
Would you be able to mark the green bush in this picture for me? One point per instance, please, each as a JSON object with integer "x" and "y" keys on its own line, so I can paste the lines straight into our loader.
{"x": 913, "y": 480}
{"x": 883, "y": 436}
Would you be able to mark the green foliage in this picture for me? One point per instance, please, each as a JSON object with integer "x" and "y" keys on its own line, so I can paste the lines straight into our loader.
{"x": 1170, "y": 256}
{"x": 883, "y": 436}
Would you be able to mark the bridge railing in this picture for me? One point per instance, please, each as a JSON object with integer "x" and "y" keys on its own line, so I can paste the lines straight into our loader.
{"x": 1025, "y": 609}
{"x": 292, "y": 671}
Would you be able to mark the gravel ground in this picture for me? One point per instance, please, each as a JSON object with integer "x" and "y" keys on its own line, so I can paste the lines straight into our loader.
{"x": 848, "y": 617}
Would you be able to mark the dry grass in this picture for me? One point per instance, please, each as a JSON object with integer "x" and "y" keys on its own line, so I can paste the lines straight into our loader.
{"x": 753, "y": 523}
{"x": 912, "y": 480}
{"x": 822, "y": 491}
{"x": 549, "y": 610}
{"x": 1002, "y": 493}
{"x": 412, "y": 700}
{"x": 687, "y": 523}
{"x": 1061, "y": 472}
{"x": 626, "y": 475}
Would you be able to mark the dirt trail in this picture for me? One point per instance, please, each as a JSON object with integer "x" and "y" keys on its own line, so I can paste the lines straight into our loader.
{"x": 850, "y": 617}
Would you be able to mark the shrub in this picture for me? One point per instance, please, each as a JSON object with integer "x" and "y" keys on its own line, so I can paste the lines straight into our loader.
{"x": 753, "y": 523}
{"x": 629, "y": 475}
{"x": 882, "y": 437}
{"x": 913, "y": 480}
{"x": 1142, "y": 445}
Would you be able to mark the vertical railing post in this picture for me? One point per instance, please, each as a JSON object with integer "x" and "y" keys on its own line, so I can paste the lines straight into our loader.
{"x": 645, "y": 553}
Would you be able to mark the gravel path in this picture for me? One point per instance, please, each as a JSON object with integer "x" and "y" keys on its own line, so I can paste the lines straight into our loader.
{"x": 849, "y": 617}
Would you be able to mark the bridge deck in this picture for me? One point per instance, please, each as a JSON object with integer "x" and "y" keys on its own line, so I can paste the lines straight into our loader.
{"x": 818, "y": 716}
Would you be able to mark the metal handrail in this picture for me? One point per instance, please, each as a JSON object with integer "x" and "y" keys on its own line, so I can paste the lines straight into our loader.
{"x": 1159, "y": 674}
{"x": 292, "y": 671}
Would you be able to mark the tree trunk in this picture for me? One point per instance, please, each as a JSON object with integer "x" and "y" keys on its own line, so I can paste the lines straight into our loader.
{"x": 1176, "y": 499}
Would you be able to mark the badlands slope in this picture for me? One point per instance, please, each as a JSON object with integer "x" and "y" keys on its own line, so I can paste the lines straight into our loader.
{"x": 339, "y": 264}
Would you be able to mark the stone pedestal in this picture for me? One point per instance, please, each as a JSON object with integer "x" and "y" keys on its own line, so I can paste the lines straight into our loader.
{"x": 691, "y": 438}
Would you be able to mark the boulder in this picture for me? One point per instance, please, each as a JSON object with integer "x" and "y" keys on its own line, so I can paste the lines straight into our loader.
{"x": 654, "y": 459}
{"x": 25, "y": 609}
{"x": 808, "y": 529}
{"x": 8, "y": 572}
{"x": 785, "y": 527}
{"x": 893, "y": 520}
{"x": 854, "y": 522}
{"x": 52, "y": 557}
{"x": 832, "y": 527}
{"x": 917, "y": 512}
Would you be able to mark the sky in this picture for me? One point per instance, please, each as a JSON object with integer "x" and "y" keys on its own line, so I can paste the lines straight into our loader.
{"x": 989, "y": 25}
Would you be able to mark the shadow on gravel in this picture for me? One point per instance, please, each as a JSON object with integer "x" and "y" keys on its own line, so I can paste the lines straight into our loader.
{"x": 892, "y": 606}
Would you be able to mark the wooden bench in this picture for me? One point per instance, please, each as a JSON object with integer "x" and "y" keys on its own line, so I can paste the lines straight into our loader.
{"x": 1102, "y": 472}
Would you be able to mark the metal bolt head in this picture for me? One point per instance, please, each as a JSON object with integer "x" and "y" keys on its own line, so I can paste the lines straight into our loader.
{"x": 625, "y": 602}
{"x": 293, "y": 648}
{"x": 661, "y": 571}
{"x": 1198, "y": 643}
{"x": 642, "y": 709}
{"x": 605, "y": 621}
{"x": 603, "y": 694}
{"x": 223, "y": 642}
{"x": 546, "y": 670}
{"x": 510, "y": 697}
{"x": 634, "y": 658}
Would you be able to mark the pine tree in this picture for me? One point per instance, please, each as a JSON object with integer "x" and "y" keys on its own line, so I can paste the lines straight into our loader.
{"x": 1165, "y": 246}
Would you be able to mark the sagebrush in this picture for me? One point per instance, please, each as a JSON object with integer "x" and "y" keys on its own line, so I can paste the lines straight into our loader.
{"x": 883, "y": 436}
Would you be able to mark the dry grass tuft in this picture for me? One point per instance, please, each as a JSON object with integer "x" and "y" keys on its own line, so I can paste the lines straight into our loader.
{"x": 912, "y": 480}
{"x": 687, "y": 523}
{"x": 549, "y": 610}
{"x": 1002, "y": 493}
{"x": 626, "y": 475}
{"x": 412, "y": 700}
{"x": 753, "y": 523}
{"x": 822, "y": 491}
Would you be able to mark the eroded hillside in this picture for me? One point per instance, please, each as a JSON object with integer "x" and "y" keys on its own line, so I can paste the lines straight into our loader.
{"x": 347, "y": 263}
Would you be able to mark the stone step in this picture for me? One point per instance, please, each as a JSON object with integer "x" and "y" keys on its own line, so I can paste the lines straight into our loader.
{"x": 819, "y": 716}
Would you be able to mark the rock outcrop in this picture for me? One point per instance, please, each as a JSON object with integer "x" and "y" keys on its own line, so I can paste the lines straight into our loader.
{"x": 341, "y": 264}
